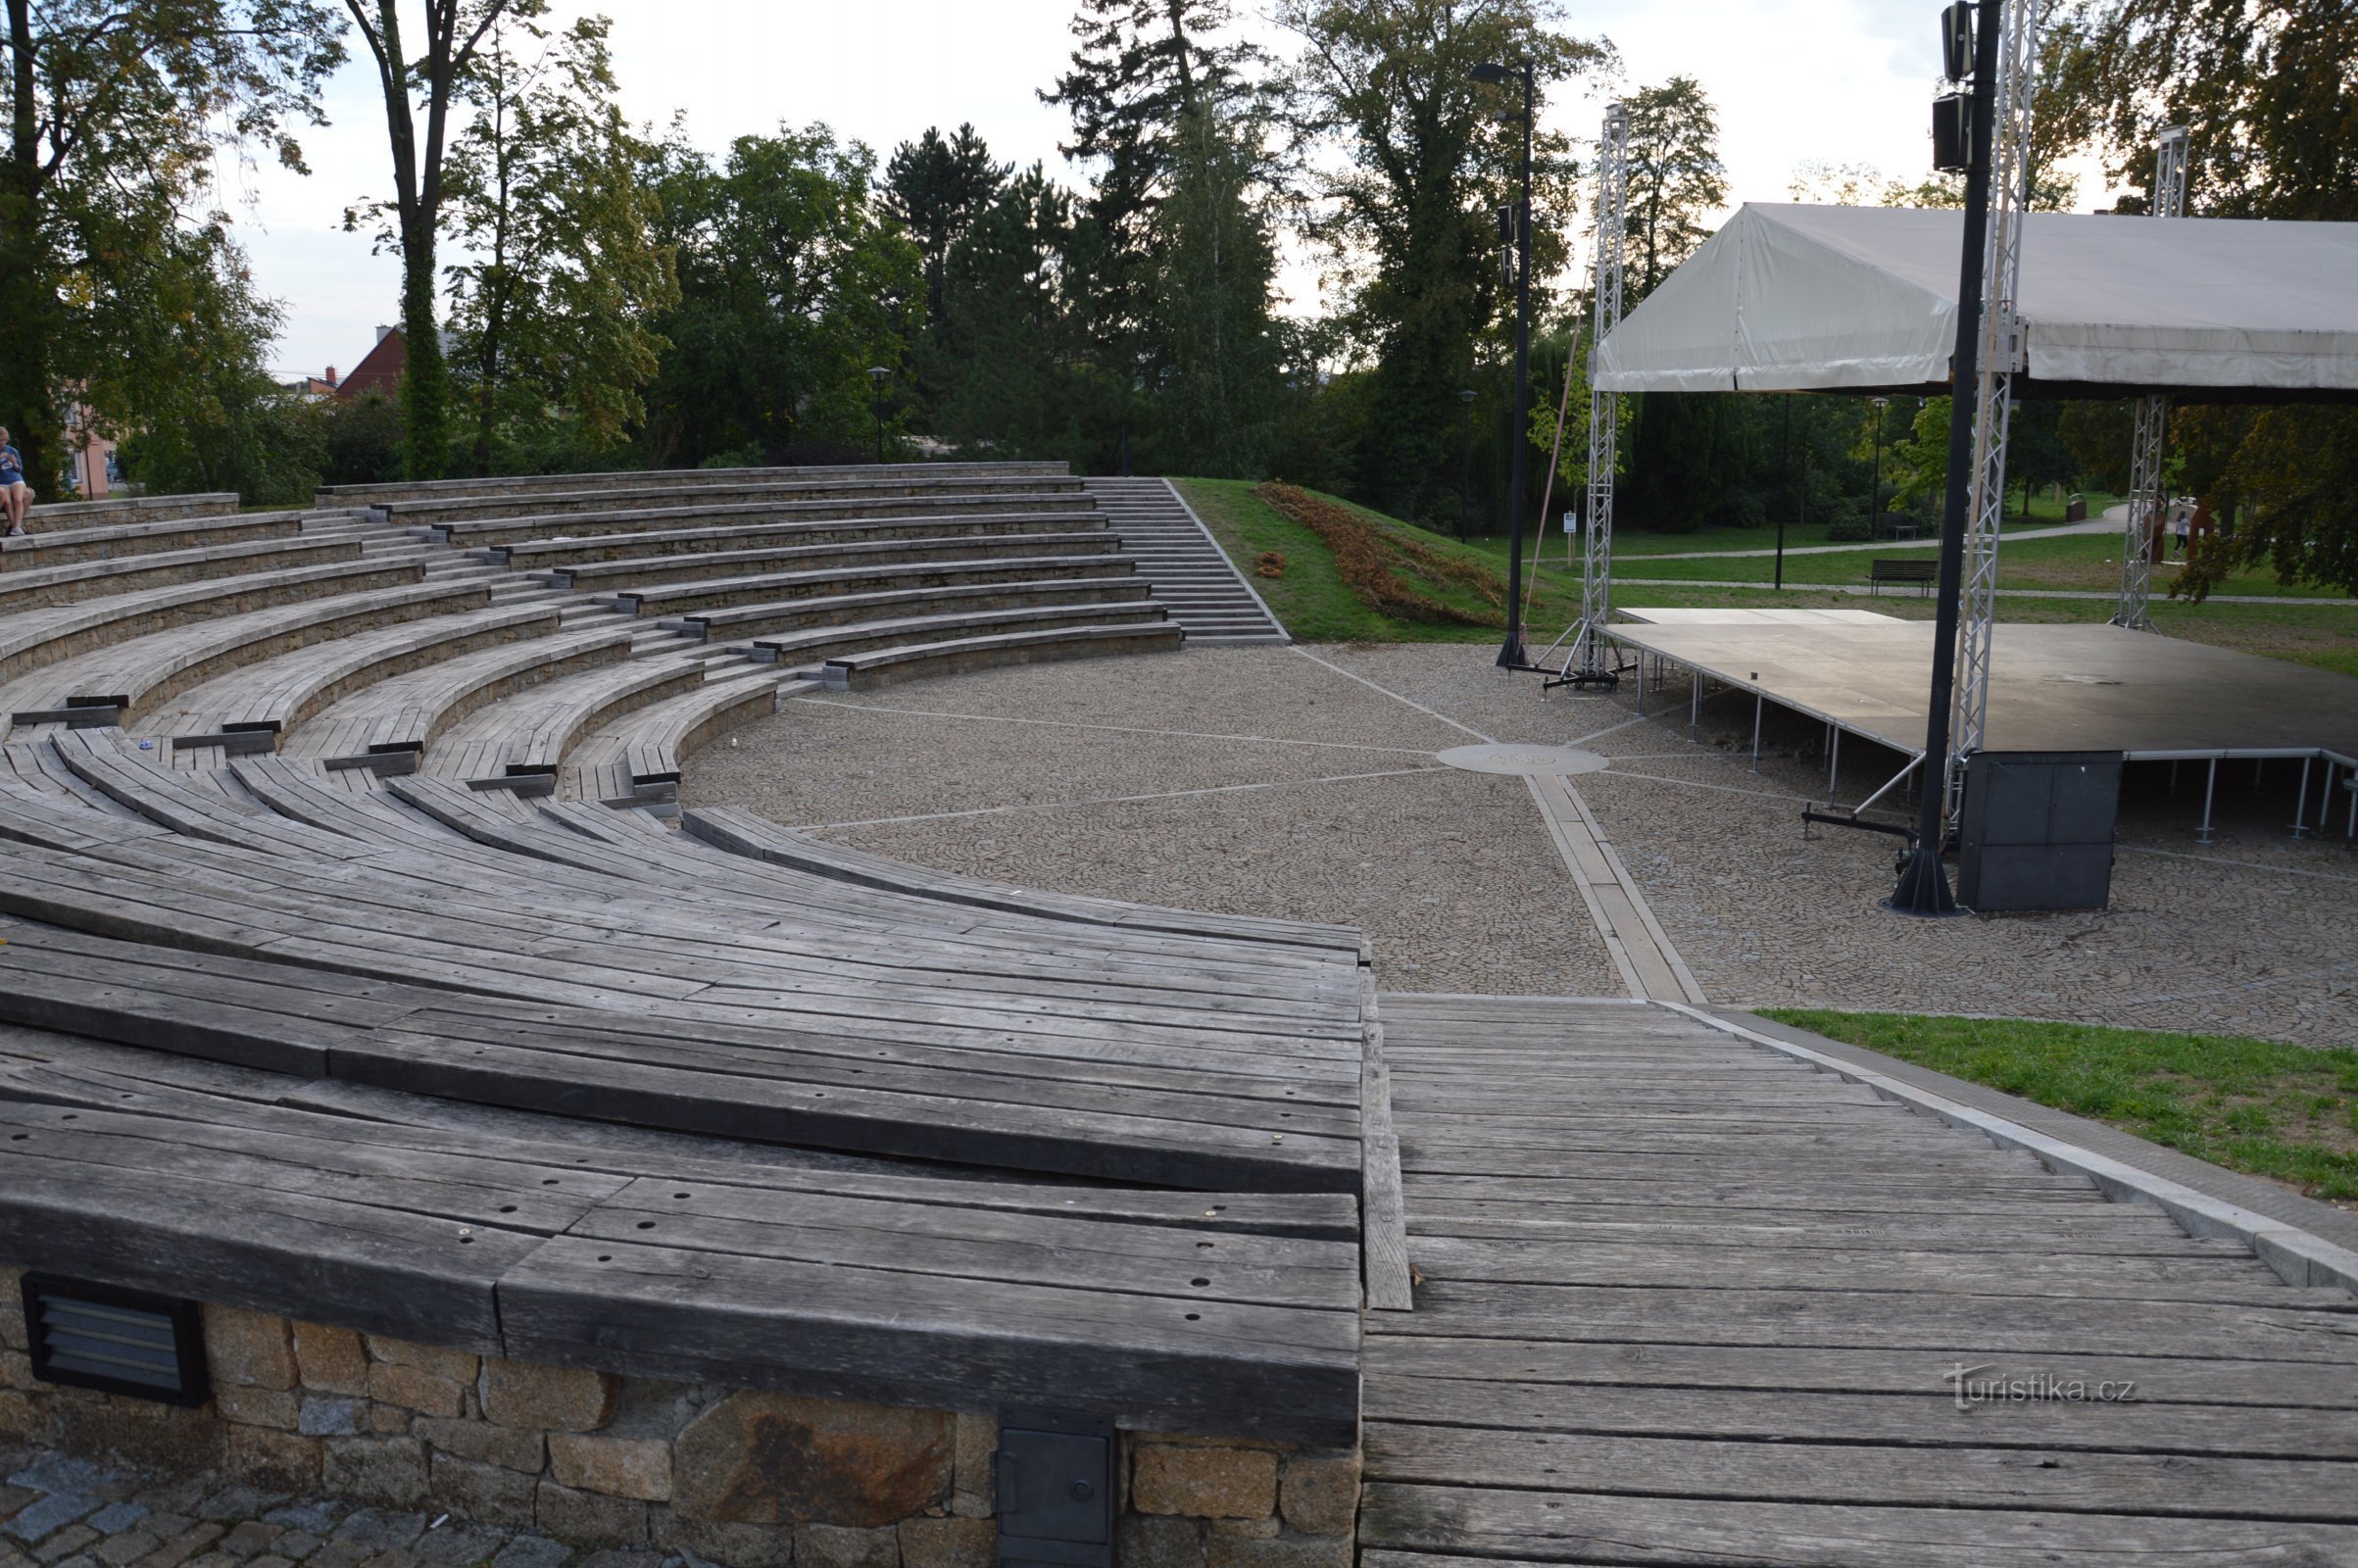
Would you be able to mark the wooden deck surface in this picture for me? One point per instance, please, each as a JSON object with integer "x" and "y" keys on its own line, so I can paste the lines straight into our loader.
{"x": 1684, "y": 1300}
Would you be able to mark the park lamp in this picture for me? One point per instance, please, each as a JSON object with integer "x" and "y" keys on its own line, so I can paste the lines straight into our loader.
{"x": 1491, "y": 71}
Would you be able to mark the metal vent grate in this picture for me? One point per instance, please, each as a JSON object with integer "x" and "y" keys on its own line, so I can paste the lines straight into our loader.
{"x": 123, "y": 1342}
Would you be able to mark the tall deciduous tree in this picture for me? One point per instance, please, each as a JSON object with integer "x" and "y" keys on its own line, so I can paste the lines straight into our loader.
{"x": 425, "y": 86}
{"x": 2267, "y": 90}
{"x": 1676, "y": 180}
{"x": 1427, "y": 156}
{"x": 792, "y": 285}
{"x": 113, "y": 114}
{"x": 551, "y": 310}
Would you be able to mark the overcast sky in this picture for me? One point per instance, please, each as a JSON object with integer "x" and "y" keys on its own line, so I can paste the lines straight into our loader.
{"x": 1794, "y": 81}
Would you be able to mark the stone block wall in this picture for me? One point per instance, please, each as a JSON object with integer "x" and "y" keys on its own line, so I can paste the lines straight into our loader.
{"x": 745, "y": 1478}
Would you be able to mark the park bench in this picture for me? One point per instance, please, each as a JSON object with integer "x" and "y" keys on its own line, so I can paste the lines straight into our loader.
{"x": 833, "y": 609}
{"x": 33, "y": 639}
{"x": 390, "y": 724}
{"x": 250, "y": 708}
{"x": 74, "y": 581}
{"x": 377, "y": 494}
{"x": 605, "y": 499}
{"x": 679, "y": 599}
{"x": 1920, "y": 571}
{"x": 605, "y": 576}
{"x": 825, "y": 644}
{"x": 634, "y": 760}
{"x": 34, "y": 551}
{"x": 884, "y": 665}
{"x": 520, "y": 742}
{"x": 130, "y": 675}
{"x": 129, "y": 508}
{"x": 470, "y": 532}
{"x": 541, "y": 553}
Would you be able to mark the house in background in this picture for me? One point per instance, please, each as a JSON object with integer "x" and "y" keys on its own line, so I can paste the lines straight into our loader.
{"x": 318, "y": 388}
{"x": 92, "y": 473}
{"x": 379, "y": 370}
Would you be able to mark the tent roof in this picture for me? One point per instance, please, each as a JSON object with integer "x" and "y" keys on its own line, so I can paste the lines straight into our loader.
{"x": 1809, "y": 298}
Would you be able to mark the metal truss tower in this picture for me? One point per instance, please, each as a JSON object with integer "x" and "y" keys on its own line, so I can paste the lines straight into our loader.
{"x": 2002, "y": 359}
{"x": 2146, "y": 493}
{"x": 1591, "y": 661}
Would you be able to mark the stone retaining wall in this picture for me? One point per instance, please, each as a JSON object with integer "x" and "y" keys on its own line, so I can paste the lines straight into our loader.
{"x": 747, "y": 1477}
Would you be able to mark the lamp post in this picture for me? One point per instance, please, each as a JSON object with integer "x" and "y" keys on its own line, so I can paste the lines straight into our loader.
{"x": 1875, "y": 484}
{"x": 1511, "y": 653}
{"x": 878, "y": 376}
{"x": 1465, "y": 475}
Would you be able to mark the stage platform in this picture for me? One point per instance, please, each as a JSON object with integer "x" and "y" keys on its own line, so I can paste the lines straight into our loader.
{"x": 1735, "y": 615}
{"x": 2052, "y": 688}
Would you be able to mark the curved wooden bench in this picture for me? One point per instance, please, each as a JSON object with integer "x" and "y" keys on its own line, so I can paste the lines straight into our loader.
{"x": 634, "y": 760}
{"x": 378, "y": 494}
{"x": 33, "y": 639}
{"x": 520, "y": 740}
{"x": 680, "y": 599}
{"x": 540, "y": 553}
{"x": 882, "y": 666}
{"x": 837, "y": 609}
{"x": 493, "y": 533}
{"x": 251, "y": 707}
{"x": 831, "y": 644}
{"x": 390, "y": 725}
{"x": 120, "y": 574}
{"x": 740, "y": 832}
{"x": 130, "y": 675}
{"x": 31, "y": 552}
{"x": 633, "y": 572}
{"x": 757, "y": 492}
{"x": 124, "y": 509}
{"x": 923, "y": 1290}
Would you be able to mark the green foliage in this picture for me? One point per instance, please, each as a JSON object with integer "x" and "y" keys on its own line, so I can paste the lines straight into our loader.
{"x": 792, "y": 285}
{"x": 1426, "y": 155}
{"x": 2284, "y": 1112}
{"x": 365, "y": 443}
{"x": 113, "y": 116}
{"x": 935, "y": 188}
{"x": 1676, "y": 180}
{"x": 550, "y": 313}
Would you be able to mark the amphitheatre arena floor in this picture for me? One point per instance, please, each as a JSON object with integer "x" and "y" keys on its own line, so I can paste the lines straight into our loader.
{"x": 1303, "y": 783}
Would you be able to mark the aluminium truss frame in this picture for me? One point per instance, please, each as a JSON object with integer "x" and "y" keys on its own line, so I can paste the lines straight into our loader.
{"x": 1591, "y": 661}
{"x": 2140, "y": 547}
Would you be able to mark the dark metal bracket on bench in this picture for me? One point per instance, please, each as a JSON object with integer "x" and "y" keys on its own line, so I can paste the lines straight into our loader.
{"x": 385, "y": 762}
{"x": 1053, "y": 1474}
{"x": 89, "y": 716}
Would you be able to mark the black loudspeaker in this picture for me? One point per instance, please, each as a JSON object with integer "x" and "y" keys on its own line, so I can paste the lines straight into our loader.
{"x": 1957, "y": 41}
{"x": 1952, "y": 132}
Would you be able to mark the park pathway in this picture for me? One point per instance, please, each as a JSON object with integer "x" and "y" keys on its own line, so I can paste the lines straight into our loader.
{"x": 1685, "y": 1299}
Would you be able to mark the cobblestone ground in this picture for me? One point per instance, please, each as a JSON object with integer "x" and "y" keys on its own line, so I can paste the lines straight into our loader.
{"x": 63, "y": 1513}
{"x": 1301, "y": 783}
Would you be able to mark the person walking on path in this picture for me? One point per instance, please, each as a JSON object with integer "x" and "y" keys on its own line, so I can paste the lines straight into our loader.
{"x": 14, "y": 491}
{"x": 2181, "y": 523}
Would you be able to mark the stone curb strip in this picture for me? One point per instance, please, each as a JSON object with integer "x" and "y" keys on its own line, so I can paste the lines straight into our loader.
{"x": 2297, "y": 1255}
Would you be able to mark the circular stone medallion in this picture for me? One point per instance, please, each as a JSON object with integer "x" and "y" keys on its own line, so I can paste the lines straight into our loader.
{"x": 1558, "y": 759}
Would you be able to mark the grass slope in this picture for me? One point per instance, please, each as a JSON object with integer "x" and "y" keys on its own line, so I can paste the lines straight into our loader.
{"x": 2287, "y": 1112}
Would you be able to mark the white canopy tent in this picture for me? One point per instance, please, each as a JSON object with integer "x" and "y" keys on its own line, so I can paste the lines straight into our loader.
{"x": 1795, "y": 298}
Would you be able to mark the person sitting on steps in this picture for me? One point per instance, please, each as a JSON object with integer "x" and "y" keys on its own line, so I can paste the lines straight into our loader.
{"x": 14, "y": 491}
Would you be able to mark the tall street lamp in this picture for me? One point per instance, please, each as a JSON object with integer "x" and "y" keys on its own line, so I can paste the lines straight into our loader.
{"x": 1511, "y": 654}
{"x": 1465, "y": 475}
{"x": 878, "y": 376}
{"x": 1875, "y": 484}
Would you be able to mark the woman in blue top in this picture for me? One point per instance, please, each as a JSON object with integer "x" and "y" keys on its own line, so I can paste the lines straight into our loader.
{"x": 17, "y": 494}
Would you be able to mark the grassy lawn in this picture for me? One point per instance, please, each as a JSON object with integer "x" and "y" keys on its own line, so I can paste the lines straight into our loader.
{"x": 2286, "y": 1112}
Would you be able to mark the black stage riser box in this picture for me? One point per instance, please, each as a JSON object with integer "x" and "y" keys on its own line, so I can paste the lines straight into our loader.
{"x": 2039, "y": 830}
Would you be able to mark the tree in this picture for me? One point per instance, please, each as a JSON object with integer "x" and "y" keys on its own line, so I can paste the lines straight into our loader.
{"x": 936, "y": 188}
{"x": 1676, "y": 180}
{"x": 454, "y": 30}
{"x": 114, "y": 113}
{"x": 550, "y": 313}
{"x": 2264, "y": 88}
{"x": 1426, "y": 157}
{"x": 1143, "y": 69}
{"x": 1214, "y": 342}
{"x": 791, "y": 286}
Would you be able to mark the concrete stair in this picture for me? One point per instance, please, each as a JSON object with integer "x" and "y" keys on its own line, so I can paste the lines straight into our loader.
{"x": 1190, "y": 574}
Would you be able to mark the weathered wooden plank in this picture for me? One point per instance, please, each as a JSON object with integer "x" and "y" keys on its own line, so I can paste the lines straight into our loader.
{"x": 1388, "y": 1273}
{"x": 1953, "y": 1474}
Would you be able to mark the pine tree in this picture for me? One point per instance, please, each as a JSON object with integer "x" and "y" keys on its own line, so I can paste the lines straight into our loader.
{"x": 935, "y": 188}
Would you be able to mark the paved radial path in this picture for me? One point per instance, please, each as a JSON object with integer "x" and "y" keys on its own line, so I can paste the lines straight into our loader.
{"x": 1685, "y": 1299}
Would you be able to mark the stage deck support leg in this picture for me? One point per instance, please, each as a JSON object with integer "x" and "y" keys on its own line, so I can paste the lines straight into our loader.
{"x": 1758, "y": 703}
{"x": 2210, "y": 790}
{"x": 2300, "y": 807}
{"x": 1834, "y": 758}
